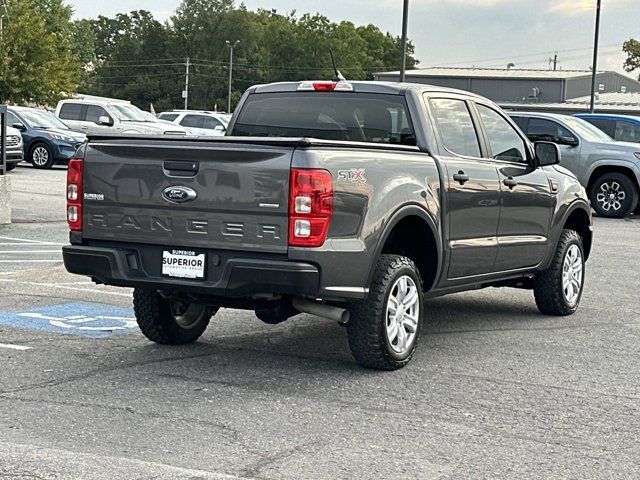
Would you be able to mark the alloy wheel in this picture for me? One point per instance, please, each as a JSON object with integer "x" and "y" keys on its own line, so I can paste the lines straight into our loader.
{"x": 611, "y": 196}
{"x": 572, "y": 272}
{"x": 403, "y": 312}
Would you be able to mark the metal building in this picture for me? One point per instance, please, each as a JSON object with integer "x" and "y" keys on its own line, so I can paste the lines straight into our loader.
{"x": 518, "y": 85}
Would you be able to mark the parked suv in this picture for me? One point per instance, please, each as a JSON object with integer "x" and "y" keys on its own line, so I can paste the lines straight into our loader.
{"x": 47, "y": 140}
{"x": 109, "y": 116}
{"x": 623, "y": 128}
{"x": 353, "y": 201}
{"x": 13, "y": 148}
{"x": 609, "y": 170}
{"x": 199, "y": 122}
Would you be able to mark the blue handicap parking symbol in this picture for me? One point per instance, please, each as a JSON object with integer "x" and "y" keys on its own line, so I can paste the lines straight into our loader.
{"x": 88, "y": 319}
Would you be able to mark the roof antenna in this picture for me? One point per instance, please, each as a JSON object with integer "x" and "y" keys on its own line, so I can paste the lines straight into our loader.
{"x": 338, "y": 76}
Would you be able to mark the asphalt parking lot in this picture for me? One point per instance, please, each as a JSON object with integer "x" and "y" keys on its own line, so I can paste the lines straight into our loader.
{"x": 495, "y": 391}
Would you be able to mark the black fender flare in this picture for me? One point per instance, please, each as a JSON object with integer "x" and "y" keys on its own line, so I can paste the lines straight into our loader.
{"x": 412, "y": 210}
{"x": 579, "y": 204}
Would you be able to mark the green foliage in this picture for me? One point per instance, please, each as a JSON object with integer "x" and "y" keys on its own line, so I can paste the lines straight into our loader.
{"x": 37, "y": 59}
{"x": 141, "y": 60}
{"x": 632, "y": 49}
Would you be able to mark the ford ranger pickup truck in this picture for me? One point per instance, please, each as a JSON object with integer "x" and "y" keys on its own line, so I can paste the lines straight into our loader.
{"x": 353, "y": 201}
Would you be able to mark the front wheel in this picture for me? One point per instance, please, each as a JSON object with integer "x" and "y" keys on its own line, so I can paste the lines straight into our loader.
{"x": 169, "y": 321}
{"x": 41, "y": 156}
{"x": 384, "y": 328}
{"x": 614, "y": 195}
{"x": 558, "y": 290}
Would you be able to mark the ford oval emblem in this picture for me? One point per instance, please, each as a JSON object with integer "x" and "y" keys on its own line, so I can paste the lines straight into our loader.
{"x": 179, "y": 194}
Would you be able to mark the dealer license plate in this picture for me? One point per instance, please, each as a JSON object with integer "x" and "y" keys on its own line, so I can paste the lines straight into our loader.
{"x": 183, "y": 264}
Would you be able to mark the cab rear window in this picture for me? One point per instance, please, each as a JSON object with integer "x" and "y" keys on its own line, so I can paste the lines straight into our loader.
{"x": 356, "y": 117}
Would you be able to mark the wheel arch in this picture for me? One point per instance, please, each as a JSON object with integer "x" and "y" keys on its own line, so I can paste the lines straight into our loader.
{"x": 414, "y": 219}
{"x": 578, "y": 219}
{"x": 624, "y": 169}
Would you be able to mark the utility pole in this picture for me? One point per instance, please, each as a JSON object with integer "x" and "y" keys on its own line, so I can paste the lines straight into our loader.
{"x": 186, "y": 86}
{"x": 231, "y": 47}
{"x": 405, "y": 19}
{"x": 594, "y": 73}
{"x": 555, "y": 62}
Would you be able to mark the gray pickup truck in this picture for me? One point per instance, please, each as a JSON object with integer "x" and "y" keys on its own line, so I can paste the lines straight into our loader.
{"x": 354, "y": 201}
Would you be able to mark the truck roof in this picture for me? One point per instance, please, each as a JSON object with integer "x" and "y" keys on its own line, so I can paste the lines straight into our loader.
{"x": 389, "y": 88}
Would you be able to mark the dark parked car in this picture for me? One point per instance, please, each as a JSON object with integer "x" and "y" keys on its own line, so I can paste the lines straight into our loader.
{"x": 378, "y": 196}
{"x": 623, "y": 128}
{"x": 47, "y": 140}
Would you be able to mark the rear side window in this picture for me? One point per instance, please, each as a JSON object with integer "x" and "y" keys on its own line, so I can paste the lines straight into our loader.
{"x": 456, "y": 127}
{"x": 71, "y": 111}
{"x": 627, "y": 132}
{"x": 168, "y": 116}
{"x": 195, "y": 121}
{"x": 357, "y": 117}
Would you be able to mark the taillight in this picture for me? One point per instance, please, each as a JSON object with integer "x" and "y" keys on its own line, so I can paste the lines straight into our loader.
{"x": 74, "y": 194}
{"x": 322, "y": 86}
{"x": 310, "y": 207}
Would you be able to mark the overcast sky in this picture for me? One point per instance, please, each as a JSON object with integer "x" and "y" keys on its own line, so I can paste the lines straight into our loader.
{"x": 486, "y": 33}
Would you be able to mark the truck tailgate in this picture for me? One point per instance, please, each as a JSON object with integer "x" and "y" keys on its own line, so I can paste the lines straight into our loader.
{"x": 215, "y": 195}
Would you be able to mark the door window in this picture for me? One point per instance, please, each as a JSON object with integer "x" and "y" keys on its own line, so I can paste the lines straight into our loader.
{"x": 12, "y": 119}
{"x": 627, "y": 132}
{"x": 607, "y": 126}
{"x": 193, "y": 121}
{"x": 456, "y": 127}
{"x": 541, "y": 129}
{"x": 170, "y": 117}
{"x": 71, "y": 111}
{"x": 94, "y": 112}
{"x": 211, "y": 123}
{"x": 504, "y": 141}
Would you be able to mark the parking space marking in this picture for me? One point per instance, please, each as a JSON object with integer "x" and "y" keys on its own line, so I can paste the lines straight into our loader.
{"x": 57, "y": 286}
{"x": 14, "y": 347}
{"x": 85, "y": 319}
{"x": 29, "y": 241}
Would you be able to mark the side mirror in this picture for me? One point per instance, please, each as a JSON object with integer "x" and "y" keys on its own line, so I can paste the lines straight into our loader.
{"x": 104, "y": 120}
{"x": 220, "y": 128}
{"x": 571, "y": 141}
{"x": 19, "y": 126}
{"x": 547, "y": 153}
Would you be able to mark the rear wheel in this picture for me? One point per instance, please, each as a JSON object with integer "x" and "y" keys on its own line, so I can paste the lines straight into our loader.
{"x": 41, "y": 156}
{"x": 385, "y": 327}
{"x": 614, "y": 195}
{"x": 169, "y": 321}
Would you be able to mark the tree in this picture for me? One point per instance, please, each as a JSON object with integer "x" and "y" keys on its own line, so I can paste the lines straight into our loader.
{"x": 632, "y": 49}
{"x": 37, "y": 63}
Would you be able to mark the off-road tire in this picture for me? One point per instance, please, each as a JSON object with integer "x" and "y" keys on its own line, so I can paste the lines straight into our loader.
{"x": 628, "y": 205}
{"x": 547, "y": 285}
{"x": 367, "y": 325}
{"x": 156, "y": 321}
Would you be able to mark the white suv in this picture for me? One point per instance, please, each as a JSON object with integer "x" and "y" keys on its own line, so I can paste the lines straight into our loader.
{"x": 199, "y": 122}
{"x": 110, "y": 116}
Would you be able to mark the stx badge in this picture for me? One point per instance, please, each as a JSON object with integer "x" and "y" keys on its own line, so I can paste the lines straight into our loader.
{"x": 353, "y": 175}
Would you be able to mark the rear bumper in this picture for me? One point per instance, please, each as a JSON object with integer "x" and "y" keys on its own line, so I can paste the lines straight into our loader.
{"x": 14, "y": 156}
{"x": 227, "y": 275}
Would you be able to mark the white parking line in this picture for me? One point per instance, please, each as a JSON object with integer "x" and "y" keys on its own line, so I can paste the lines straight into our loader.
{"x": 14, "y": 347}
{"x": 28, "y": 241}
{"x": 31, "y": 261}
{"x": 23, "y": 252}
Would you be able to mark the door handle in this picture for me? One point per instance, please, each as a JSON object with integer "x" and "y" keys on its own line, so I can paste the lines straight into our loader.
{"x": 510, "y": 182}
{"x": 461, "y": 178}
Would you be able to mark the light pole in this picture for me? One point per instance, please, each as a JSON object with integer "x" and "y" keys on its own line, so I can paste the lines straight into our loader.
{"x": 405, "y": 19}
{"x": 594, "y": 73}
{"x": 186, "y": 85}
{"x": 231, "y": 47}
